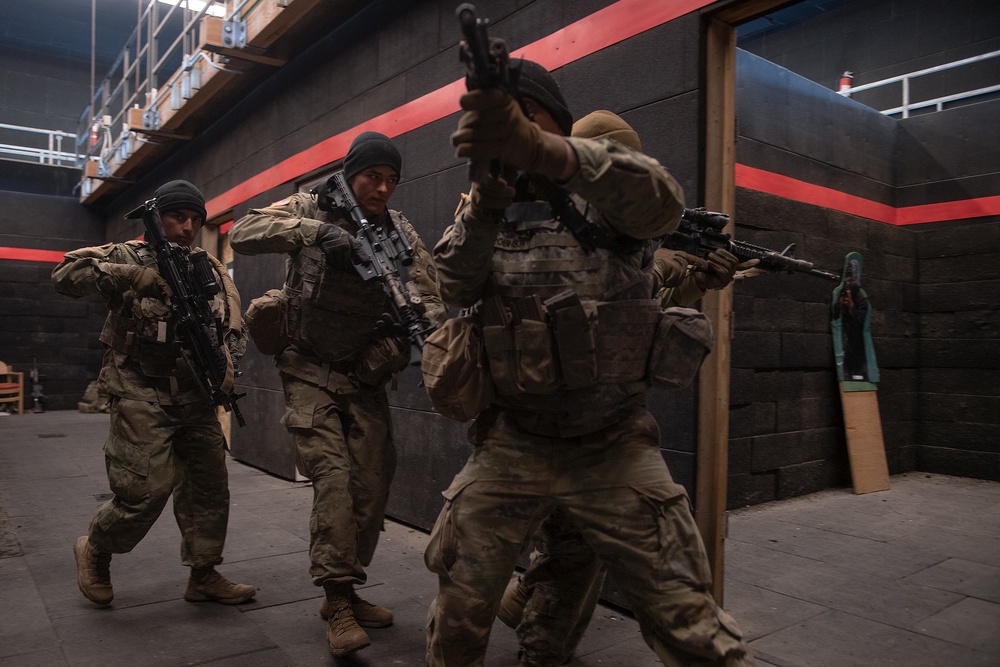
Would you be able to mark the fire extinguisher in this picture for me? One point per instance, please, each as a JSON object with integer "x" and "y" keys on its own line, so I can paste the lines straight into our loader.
{"x": 845, "y": 84}
{"x": 93, "y": 134}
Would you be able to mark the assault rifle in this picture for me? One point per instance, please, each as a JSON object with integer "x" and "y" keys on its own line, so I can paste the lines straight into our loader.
{"x": 700, "y": 232}
{"x": 192, "y": 282}
{"x": 385, "y": 254}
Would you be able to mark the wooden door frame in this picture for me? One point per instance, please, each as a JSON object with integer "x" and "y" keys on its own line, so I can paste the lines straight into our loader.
{"x": 712, "y": 467}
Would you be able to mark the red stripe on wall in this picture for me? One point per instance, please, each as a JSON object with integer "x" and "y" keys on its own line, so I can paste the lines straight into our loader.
{"x": 32, "y": 255}
{"x": 789, "y": 188}
{"x": 952, "y": 210}
{"x": 817, "y": 195}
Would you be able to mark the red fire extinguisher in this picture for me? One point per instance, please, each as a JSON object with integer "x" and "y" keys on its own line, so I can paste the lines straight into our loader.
{"x": 93, "y": 134}
{"x": 845, "y": 84}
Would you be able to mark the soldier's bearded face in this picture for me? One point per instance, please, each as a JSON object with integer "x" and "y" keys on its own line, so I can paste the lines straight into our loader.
{"x": 373, "y": 187}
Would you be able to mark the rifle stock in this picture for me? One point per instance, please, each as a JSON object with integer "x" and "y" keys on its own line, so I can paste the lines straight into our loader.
{"x": 192, "y": 285}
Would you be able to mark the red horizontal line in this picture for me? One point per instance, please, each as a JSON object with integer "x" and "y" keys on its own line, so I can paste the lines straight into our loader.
{"x": 32, "y": 255}
{"x": 818, "y": 195}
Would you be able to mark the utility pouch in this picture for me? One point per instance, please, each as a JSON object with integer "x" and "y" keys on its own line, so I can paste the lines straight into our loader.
{"x": 380, "y": 359}
{"x": 498, "y": 339}
{"x": 455, "y": 370}
{"x": 536, "y": 365}
{"x": 574, "y": 340}
{"x": 267, "y": 322}
{"x": 683, "y": 340}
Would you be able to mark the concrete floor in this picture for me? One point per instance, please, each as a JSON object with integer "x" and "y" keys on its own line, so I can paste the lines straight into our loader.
{"x": 909, "y": 576}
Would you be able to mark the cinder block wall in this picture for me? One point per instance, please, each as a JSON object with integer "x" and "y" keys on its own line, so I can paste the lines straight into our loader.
{"x": 38, "y": 326}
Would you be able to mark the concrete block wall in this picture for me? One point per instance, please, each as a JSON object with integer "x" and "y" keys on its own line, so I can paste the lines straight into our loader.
{"x": 39, "y": 326}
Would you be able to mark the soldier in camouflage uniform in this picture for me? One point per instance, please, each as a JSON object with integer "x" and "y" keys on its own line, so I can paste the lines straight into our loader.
{"x": 165, "y": 438}
{"x": 339, "y": 357}
{"x": 552, "y": 602}
{"x": 569, "y": 430}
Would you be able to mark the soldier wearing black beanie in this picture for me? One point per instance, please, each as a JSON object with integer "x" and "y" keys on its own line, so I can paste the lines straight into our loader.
{"x": 537, "y": 83}
{"x": 371, "y": 149}
{"x": 180, "y": 194}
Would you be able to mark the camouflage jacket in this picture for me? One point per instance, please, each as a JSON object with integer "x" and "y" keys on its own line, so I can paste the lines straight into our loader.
{"x": 144, "y": 360}
{"x": 332, "y": 312}
{"x": 524, "y": 254}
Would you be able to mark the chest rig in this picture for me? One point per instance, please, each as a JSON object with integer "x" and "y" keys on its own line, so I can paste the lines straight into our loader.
{"x": 567, "y": 331}
{"x": 331, "y": 312}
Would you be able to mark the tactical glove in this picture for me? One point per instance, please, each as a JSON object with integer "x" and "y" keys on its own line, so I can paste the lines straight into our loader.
{"x": 494, "y": 127}
{"x": 337, "y": 244}
{"x": 491, "y": 194}
{"x": 719, "y": 272}
{"x": 144, "y": 281}
{"x": 672, "y": 265}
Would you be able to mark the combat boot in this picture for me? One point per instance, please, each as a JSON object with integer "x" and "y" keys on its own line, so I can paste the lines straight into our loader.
{"x": 207, "y": 585}
{"x": 93, "y": 572}
{"x": 512, "y": 604}
{"x": 366, "y": 614}
{"x": 343, "y": 634}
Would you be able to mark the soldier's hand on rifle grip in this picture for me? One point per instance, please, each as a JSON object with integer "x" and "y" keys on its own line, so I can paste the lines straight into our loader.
{"x": 337, "y": 244}
{"x": 491, "y": 194}
{"x": 720, "y": 270}
{"x": 494, "y": 127}
{"x": 672, "y": 265}
{"x": 144, "y": 281}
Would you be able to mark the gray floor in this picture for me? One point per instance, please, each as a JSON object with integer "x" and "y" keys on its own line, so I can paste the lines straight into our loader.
{"x": 909, "y": 576}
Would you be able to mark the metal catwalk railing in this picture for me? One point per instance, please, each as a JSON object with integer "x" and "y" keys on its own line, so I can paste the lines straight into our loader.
{"x": 37, "y": 146}
{"x": 904, "y": 79}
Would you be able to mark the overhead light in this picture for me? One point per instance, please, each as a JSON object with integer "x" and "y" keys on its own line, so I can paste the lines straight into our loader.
{"x": 215, "y": 9}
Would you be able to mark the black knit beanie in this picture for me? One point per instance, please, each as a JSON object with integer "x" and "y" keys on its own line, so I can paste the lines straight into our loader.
{"x": 371, "y": 149}
{"x": 535, "y": 82}
{"x": 180, "y": 194}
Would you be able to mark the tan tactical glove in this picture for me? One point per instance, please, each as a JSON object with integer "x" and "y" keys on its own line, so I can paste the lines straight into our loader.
{"x": 140, "y": 279}
{"x": 718, "y": 273}
{"x": 494, "y": 127}
{"x": 491, "y": 194}
{"x": 672, "y": 265}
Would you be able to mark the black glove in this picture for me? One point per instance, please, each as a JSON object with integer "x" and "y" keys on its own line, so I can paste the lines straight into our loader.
{"x": 337, "y": 244}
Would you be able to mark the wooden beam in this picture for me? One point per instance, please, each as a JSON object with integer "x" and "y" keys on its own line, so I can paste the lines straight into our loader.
{"x": 713, "y": 380}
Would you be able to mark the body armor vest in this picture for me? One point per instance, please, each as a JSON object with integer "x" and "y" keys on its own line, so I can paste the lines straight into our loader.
{"x": 145, "y": 352}
{"x": 567, "y": 332}
{"x": 331, "y": 312}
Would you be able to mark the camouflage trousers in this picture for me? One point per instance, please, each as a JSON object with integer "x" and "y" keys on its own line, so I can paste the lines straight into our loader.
{"x": 155, "y": 451}
{"x": 614, "y": 486}
{"x": 564, "y": 581}
{"x": 343, "y": 445}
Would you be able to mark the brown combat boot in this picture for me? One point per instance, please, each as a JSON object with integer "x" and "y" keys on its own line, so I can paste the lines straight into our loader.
{"x": 512, "y": 604}
{"x": 207, "y": 585}
{"x": 343, "y": 634}
{"x": 366, "y": 614}
{"x": 93, "y": 572}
